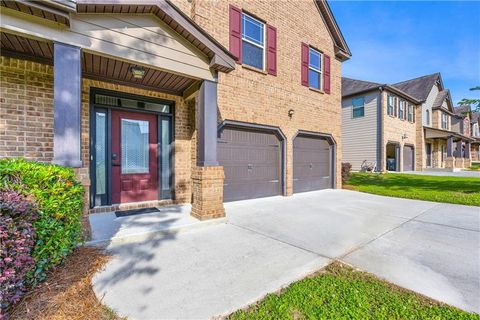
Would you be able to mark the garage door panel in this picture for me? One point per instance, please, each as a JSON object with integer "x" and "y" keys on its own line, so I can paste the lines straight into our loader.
{"x": 408, "y": 158}
{"x": 251, "y": 161}
{"x": 311, "y": 164}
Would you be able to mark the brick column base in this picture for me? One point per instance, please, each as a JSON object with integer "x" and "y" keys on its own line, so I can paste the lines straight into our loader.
{"x": 467, "y": 162}
{"x": 459, "y": 163}
{"x": 208, "y": 193}
{"x": 450, "y": 163}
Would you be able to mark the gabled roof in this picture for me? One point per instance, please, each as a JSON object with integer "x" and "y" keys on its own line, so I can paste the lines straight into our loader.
{"x": 352, "y": 86}
{"x": 475, "y": 117}
{"x": 342, "y": 51}
{"x": 420, "y": 87}
{"x": 220, "y": 58}
{"x": 462, "y": 110}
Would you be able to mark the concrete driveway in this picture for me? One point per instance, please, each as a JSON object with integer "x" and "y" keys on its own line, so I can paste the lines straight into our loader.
{"x": 268, "y": 243}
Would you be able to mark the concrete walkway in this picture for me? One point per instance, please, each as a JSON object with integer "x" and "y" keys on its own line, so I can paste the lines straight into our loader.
{"x": 268, "y": 243}
{"x": 444, "y": 173}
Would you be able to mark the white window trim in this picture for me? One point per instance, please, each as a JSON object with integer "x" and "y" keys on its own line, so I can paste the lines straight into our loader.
{"x": 254, "y": 43}
{"x": 390, "y": 102}
{"x": 358, "y": 107}
{"x": 410, "y": 108}
{"x": 319, "y": 71}
{"x": 401, "y": 107}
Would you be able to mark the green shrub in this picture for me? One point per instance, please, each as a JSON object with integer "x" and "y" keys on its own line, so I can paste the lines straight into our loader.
{"x": 59, "y": 197}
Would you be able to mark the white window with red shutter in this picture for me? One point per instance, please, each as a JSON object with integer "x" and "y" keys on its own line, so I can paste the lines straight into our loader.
{"x": 315, "y": 69}
{"x": 253, "y": 41}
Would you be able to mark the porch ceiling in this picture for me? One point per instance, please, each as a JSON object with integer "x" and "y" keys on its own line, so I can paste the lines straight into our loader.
{"x": 53, "y": 10}
{"x": 433, "y": 133}
{"x": 97, "y": 67}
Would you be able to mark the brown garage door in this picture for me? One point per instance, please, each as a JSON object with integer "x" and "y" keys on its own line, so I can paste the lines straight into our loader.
{"x": 408, "y": 158}
{"x": 311, "y": 164}
{"x": 252, "y": 164}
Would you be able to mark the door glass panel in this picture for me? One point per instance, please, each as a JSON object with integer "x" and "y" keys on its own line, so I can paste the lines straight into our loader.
{"x": 100, "y": 153}
{"x": 135, "y": 146}
{"x": 165, "y": 152}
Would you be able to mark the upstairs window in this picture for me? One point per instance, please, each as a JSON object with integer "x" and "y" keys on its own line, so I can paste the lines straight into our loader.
{"x": 444, "y": 121}
{"x": 401, "y": 110}
{"x": 253, "y": 42}
{"x": 390, "y": 106}
{"x": 410, "y": 113}
{"x": 358, "y": 110}
{"x": 428, "y": 117}
{"x": 314, "y": 69}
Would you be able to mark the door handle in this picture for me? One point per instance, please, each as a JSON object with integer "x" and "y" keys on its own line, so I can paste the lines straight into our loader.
{"x": 115, "y": 157}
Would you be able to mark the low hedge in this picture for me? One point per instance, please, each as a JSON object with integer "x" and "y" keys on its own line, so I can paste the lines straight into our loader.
{"x": 59, "y": 197}
{"x": 17, "y": 239}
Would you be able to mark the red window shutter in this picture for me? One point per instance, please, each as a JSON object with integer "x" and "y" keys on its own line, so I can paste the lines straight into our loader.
{"x": 326, "y": 74}
{"x": 236, "y": 32}
{"x": 272, "y": 50}
{"x": 305, "y": 53}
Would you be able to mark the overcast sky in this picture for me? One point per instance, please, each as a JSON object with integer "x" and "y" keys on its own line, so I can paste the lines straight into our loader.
{"x": 392, "y": 41}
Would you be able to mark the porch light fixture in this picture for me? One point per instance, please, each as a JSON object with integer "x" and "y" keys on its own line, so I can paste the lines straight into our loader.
{"x": 291, "y": 112}
{"x": 137, "y": 72}
{"x": 404, "y": 136}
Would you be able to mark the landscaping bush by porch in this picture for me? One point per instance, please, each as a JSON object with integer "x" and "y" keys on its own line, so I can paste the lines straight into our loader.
{"x": 59, "y": 198}
{"x": 17, "y": 240}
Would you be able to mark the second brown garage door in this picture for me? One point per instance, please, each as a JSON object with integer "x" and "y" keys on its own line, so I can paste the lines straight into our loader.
{"x": 311, "y": 164}
{"x": 252, "y": 163}
{"x": 408, "y": 158}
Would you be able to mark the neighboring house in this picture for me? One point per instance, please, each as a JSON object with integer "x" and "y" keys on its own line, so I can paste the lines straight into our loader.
{"x": 468, "y": 125}
{"x": 386, "y": 135}
{"x": 135, "y": 97}
{"x": 379, "y": 125}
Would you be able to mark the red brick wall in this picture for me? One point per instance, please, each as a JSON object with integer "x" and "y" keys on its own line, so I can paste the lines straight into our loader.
{"x": 251, "y": 96}
{"x": 26, "y": 109}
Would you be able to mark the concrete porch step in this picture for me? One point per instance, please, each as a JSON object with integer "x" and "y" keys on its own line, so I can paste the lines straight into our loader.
{"x": 108, "y": 229}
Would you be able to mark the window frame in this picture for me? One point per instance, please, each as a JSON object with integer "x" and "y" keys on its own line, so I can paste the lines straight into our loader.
{"x": 428, "y": 116}
{"x": 401, "y": 109}
{"x": 410, "y": 113}
{"x": 444, "y": 121}
{"x": 354, "y": 108}
{"x": 264, "y": 37}
{"x": 319, "y": 71}
{"x": 391, "y": 105}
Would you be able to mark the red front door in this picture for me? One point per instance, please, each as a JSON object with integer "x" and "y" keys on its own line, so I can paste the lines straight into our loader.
{"x": 134, "y": 157}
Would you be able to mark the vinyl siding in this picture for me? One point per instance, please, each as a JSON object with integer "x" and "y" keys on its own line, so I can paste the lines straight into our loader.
{"x": 139, "y": 39}
{"x": 427, "y": 105}
{"x": 359, "y": 135}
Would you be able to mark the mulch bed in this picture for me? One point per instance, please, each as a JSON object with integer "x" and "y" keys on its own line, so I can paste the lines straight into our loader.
{"x": 67, "y": 292}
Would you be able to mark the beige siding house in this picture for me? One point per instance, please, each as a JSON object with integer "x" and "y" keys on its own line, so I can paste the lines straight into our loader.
{"x": 416, "y": 126}
{"x": 383, "y": 133}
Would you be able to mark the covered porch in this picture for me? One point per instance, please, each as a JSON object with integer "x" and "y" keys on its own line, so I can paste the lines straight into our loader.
{"x": 129, "y": 101}
{"x": 446, "y": 150}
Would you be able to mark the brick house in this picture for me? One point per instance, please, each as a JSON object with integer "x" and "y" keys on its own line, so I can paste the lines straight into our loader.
{"x": 405, "y": 126}
{"x": 175, "y": 101}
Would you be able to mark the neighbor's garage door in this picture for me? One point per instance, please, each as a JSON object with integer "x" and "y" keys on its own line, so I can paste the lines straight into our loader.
{"x": 252, "y": 163}
{"x": 407, "y": 158}
{"x": 311, "y": 164}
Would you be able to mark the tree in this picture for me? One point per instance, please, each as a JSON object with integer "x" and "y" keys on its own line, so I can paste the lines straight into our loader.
{"x": 473, "y": 103}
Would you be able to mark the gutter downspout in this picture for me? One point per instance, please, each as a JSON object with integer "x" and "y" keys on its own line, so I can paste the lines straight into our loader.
{"x": 380, "y": 123}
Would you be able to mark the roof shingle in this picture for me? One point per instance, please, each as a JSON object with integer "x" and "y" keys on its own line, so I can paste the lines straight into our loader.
{"x": 352, "y": 86}
{"x": 419, "y": 88}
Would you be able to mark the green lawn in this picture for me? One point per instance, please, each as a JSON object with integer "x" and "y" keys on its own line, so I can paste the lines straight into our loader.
{"x": 459, "y": 190}
{"x": 343, "y": 293}
{"x": 475, "y": 167}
